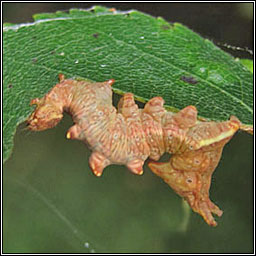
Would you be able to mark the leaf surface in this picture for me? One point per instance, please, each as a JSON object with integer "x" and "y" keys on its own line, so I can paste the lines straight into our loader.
{"x": 145, "y": 55}
{"x": 247, "y": 63}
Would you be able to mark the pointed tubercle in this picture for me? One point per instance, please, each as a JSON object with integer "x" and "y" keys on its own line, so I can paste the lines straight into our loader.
{"x": 34, "y": 101}
{"x": 97, "y": 163}
{"x": 136, "y": 166}
{"x": 68, "y": 135}
{"x": 111, "y": 81}
{"x": 61, "y": 77}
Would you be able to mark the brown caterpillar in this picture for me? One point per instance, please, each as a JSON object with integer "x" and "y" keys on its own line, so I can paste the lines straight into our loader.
{"x": 129, "y": 135}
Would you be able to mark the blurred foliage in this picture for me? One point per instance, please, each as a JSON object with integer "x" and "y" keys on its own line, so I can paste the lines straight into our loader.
{"x": 54, "y": 204}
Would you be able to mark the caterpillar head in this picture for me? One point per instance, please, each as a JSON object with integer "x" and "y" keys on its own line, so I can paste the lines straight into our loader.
{"x": 45, "y": 116}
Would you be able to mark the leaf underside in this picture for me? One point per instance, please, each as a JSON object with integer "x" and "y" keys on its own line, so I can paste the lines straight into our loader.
{"x": 145, "y": 55}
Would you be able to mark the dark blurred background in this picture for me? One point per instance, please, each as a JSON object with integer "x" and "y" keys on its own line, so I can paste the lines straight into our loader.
{"x": 224, "y": 23}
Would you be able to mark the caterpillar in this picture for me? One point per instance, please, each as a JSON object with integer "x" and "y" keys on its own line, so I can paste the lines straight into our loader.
{"x": 129, "y": 135}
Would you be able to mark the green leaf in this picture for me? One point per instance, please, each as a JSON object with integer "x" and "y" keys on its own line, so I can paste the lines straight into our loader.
{"x": 145, "y": 55}
{"x": 247, "y": 63}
